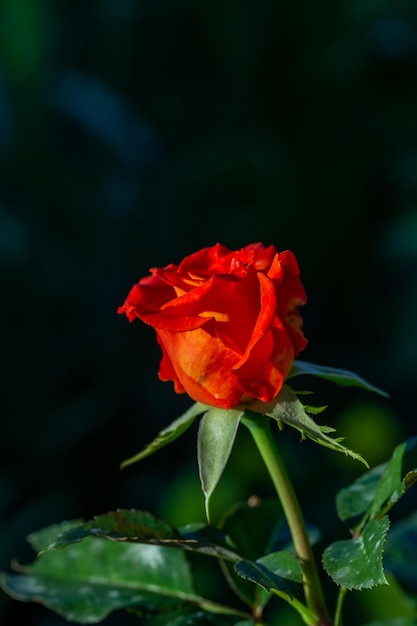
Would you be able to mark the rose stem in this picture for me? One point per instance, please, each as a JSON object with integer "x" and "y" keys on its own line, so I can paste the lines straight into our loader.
{"x": 340, "y": 599}
{"x": 259, "y": 428}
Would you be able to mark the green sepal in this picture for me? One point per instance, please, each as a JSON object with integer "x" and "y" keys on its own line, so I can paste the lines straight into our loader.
{"x": 168, "y": 434}
{"x": 375, "y": 493}
{"x": 287, "y": 409}
{"x": 357, "y": 563}
{"x": 333, "y": 374}
{"x": 216, "y": 435}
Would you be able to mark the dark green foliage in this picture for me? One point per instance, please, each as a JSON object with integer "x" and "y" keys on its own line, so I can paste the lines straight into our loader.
{"x": 376, "y": 493}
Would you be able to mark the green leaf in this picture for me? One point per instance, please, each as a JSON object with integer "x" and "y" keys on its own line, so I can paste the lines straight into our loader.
{"x": 281, "y": 574}
{"x": 206, "y": 540}
{"x": 168, "y": 434}
{"x": 376, "y": 492}
{"x": 357, "y": 498}
{"x": 44, "y": 539}
{"x": 400, "y": 474}
{"x": 279, "y": 571}
{"x": 287, "y": 409}
{"x": 256, "y": 527}
{"x": 357, "y": 563}
{"x": 136, "y": 527}
{"x": 216, "y": 435}
{"x": 285, "y": 565}
{"x": 88, "y": 580}
{"x": 333, "y": 374}
{"x": 120, "y": 525}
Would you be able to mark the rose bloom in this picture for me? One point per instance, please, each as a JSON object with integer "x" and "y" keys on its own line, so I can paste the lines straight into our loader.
{"x": 227, "y": 322}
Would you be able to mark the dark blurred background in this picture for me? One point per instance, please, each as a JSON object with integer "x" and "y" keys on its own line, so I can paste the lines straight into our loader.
{"x": 134, "y": 132}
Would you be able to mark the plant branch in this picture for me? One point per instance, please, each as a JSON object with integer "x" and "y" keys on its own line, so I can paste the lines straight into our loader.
{"x": 259, "y": 428}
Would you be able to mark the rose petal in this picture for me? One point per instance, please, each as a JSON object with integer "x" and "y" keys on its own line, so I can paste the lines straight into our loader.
{"x": 232, "y": 304}
{"x": 203, "y": 366}
{"x": 263, "y": 375}
{"x": 146, "y": 301}
{"x": 266, "y": 315}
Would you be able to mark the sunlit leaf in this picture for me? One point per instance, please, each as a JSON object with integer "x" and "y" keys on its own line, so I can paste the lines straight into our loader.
{"x": 168, "y": 434}
{"x": 287, "y": 409}
{"x": 90, "y": 579}
{"x": 216, "y": 435}
{"x": 333, "y": 374}
{"x": 87, "y": 581}
{"x": 357, "y": 563}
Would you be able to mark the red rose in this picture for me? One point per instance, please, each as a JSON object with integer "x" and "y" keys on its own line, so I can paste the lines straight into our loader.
{"x": 227, "y": 321}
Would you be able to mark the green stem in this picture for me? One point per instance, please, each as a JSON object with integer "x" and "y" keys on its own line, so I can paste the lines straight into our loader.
{"x": 259, "y": 428}
{"x": 340, "y": 599}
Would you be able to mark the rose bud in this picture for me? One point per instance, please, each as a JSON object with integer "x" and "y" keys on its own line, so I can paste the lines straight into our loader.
{"x": 227, "y": 321}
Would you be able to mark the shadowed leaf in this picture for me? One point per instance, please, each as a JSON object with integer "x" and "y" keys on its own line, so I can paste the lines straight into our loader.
{"x": 279, "y": 571}
{"x": 333, "y": 374}
{"x": 376, "y": 492}
{"x": 192, "y": 617}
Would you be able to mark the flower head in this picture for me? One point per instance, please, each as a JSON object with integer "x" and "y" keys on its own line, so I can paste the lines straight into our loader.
{"x": 227, "y": 321}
